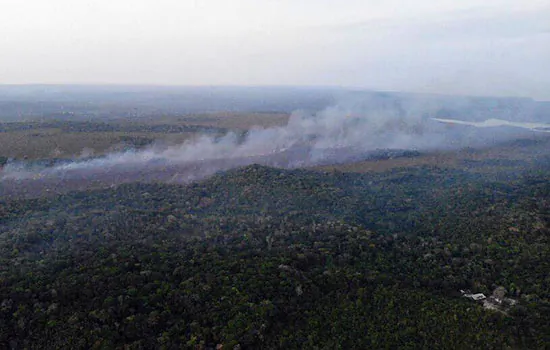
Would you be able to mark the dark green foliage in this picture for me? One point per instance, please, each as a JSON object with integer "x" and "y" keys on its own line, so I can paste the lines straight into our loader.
{"x": 270, "y": 258}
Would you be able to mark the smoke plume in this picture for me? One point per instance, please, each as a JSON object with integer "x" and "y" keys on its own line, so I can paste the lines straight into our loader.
{"x": 349, "y": 130}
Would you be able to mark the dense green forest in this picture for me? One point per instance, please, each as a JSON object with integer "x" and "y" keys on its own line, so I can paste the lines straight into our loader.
{"x": 261, "y": 258}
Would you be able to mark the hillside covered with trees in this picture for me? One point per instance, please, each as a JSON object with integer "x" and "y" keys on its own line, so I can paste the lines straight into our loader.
{"x": 260, "y": 257}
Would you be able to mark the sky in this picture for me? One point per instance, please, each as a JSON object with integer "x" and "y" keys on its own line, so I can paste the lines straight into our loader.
{"x": 467, "y": 47}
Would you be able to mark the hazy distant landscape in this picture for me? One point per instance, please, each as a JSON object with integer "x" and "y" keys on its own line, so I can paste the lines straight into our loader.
{"x": 104, "y": 135}
{"x": 104, "y": 102}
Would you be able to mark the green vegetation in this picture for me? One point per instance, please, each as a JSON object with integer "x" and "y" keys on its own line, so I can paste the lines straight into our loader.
{"x": 266, "y": 258}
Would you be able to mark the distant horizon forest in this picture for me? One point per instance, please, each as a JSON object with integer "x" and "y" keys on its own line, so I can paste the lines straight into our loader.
{"x": 69, "y": 102}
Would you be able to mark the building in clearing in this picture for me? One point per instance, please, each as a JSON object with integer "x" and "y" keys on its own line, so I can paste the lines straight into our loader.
{"x": 476, "y": 297}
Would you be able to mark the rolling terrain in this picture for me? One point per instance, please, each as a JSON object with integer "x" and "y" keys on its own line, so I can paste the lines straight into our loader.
{"x": 271, "y": 258}
{"x": 294, "y": 247}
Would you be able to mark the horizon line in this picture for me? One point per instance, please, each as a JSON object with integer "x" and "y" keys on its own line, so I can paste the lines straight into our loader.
{"x": 349, "y": 88}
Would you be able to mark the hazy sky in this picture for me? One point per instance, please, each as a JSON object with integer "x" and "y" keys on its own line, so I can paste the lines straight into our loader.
{"x": 492, "y": 47}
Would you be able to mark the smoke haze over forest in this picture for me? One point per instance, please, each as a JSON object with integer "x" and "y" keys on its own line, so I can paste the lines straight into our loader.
{"x": 329, "y": 125}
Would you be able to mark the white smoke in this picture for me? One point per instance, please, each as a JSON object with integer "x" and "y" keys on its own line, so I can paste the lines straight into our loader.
{"x": 355, "y": 125}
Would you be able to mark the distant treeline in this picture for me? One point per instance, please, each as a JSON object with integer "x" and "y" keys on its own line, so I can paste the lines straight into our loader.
{"x": 123, "y": 102}
{"x": 88, "y": 126}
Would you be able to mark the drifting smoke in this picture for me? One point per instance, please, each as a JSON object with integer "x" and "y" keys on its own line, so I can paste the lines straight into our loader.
{"x": 346, "y": 131}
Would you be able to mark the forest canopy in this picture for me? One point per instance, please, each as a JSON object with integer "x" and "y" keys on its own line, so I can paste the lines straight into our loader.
{"x": 259, "y": 257}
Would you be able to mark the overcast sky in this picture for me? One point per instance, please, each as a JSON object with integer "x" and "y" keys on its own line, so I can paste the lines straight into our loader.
{"x": 492, "y": 47}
